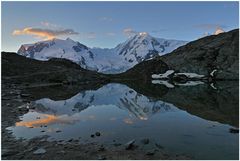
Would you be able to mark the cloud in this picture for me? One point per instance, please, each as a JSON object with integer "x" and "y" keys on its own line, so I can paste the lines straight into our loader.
{"x": 129, "y": 32}
{"x": 48, "y": 24}
{"x": 45, "y": 33}
{"x": 109, "y": 19}
{"x": 91, "y": 35}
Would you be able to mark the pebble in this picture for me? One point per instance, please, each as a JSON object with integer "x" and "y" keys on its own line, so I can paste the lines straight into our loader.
{"x": 39, "y": 151}
{"x": 102, "y": 158}
{"x": 101, "y": 148}
{"x": 158, "y": 146}
{"x": 129, "y": 145}
{"x": 58, "y": 131}
{"x": 24, "y": 95}
{"x": 92, "y": 136}
{"x": 151, "y": 152}
{"x": 70, "y": 140}
{"x": 145, "y": 141}
{"x": 97, "y": 134}
{"x": 234, "y": 131}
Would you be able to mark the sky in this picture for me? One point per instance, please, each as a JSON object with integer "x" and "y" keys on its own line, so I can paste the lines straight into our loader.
{"x": 106, "y": 24}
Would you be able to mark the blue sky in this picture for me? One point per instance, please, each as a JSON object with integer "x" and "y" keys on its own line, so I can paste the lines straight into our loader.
{"x": 106, "y": 24}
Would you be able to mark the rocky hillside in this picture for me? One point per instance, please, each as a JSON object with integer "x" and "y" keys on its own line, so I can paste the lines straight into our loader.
{"x": 144, "y": 70}
{"x": 21, "y": 70}
{"x": 216, "y": 52}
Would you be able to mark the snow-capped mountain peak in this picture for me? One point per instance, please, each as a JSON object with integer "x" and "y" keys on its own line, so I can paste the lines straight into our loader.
{"x": 143, "y": 46}
{"x": 139, "y": 47}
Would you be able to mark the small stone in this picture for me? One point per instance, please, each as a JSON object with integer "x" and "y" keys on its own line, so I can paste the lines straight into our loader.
{"x": 58, "y": 131}
{"x": 101, "y": 148}
{"x": 151, "y": 152}
{"x": 39, "y": 151}
{"x": 102, "y": 158}
{"x": 117, "y": 144}
{"x": 38, "y": 118}
{"x": 234, "y": 131}
{"x": 158, "y": 146}
{"x": 145, "y": 141}
{"x": 70, "y": 140}
{"x": 24, "y": 95}
{"x": 130, "y": 144}
{"x": 42, "y": 131}
{"x": 92, "y": 136}
{"x": 97, "y": 134}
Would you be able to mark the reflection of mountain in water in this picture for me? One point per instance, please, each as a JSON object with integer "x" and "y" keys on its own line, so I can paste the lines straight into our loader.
{"x": 111, "y": 94}
{"x": 145, "y": 99}
{"x": 220, "y": 104}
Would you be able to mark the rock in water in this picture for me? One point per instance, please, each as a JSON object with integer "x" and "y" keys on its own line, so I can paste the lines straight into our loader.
{"x": 130, "y": 144}
{"x": 40, "y": 151}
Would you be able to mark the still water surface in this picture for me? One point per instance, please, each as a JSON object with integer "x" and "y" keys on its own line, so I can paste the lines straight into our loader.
{"x": 188, "y": 120}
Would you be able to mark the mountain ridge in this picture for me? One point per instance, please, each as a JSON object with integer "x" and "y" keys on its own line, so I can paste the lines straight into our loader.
{"x": 136, "y": 49}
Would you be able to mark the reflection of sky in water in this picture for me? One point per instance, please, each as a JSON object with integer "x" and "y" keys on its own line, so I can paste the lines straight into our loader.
{"x": 121, "y": 114}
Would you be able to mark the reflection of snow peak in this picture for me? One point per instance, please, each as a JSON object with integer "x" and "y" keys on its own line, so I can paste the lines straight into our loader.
{"x": 112, "y": 94}
{"x": 190, "y": 83}
{"x": 166, "y": 83}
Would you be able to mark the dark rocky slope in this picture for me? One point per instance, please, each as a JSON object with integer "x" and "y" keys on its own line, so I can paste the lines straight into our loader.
{"x": 21, "y": 70}
{"x": 202, "y": 56}
{"x": 143, "y": 70}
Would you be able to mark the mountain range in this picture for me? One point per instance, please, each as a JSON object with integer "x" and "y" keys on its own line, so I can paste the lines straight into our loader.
{"x": 137, "y": 48}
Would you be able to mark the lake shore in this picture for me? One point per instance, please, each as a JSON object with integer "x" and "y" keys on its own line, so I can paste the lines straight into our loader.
{"x": 12, "y": 98}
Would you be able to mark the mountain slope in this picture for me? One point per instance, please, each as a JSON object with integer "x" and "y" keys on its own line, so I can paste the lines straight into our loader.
{"x": 215, "y": 56}
{"x": 21, "y": 70}
{"x": 136, "y": 49}
{"x": 203, "y": 56}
